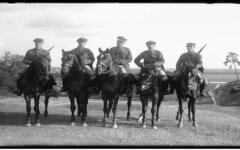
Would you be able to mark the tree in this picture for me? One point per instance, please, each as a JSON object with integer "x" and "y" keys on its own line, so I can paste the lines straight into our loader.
{"x": 232, "y": 59}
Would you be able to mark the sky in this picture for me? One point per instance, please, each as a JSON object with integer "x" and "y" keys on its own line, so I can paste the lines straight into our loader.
{"x": 170, "y": 25}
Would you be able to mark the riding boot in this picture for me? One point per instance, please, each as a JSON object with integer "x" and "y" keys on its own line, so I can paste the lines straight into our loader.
{"x": 129, "y": 90}
{"x": 164, "y": 85}
{"x": 51, "y": 89}
{"x": 18, "y": 91}
{"x": 202, "y": 89}
{"x": 93, "y": 89}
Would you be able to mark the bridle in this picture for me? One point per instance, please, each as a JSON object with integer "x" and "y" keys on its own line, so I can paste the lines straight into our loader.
{"x": 69, "y": 65}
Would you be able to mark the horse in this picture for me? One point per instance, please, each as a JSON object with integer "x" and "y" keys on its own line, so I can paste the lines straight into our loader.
{"x": 186, "y": 87}
{"x": 76, "y": 82}
{"x": 163, "y": 89}
{"x": 112, "y": 84}
{"x": 33, "y": 83}
{"x": 148, "y": 90}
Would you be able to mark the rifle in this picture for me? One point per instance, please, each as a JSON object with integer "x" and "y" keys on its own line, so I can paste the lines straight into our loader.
{"x": 202, "y": 49}
{"x": 51, "y": 48}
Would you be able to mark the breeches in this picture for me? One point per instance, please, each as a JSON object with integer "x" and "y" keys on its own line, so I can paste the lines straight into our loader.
{"x": 89, "y": 70}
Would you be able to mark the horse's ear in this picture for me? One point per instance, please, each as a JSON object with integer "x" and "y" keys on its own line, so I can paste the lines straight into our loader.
{"x": 107, "y": 50}
{"x": 63, "y": 51}
{"x": 100, "y": 50}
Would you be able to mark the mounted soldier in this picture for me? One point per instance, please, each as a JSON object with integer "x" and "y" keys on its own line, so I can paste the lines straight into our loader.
{"x": 122, "y": 56}
{"x": 153, "y": 61}
{"x": 195, "y": 59}
{"x": 85, "y": 58}
{"x": 30, "y": 56}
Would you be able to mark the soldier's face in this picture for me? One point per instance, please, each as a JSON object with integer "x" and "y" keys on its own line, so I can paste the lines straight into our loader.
{"x": 38, "y": 44}
{"x": 82, "y": 44}
{"x": 190, "y": 48}
{"x": 120, "y": 43}
{"x": 151, "y": 46}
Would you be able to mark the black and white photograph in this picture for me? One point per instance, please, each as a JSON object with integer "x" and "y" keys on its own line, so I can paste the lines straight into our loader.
{"x": 119, "y": 74}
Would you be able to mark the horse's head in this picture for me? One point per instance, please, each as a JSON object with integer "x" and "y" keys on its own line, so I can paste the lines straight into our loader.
{"x": 40, "y": 67}
{"x": 68, "y": 60}
{"x": 104, "y": 62}
{"x": 190, "y": 76}
{"x": 146, "y": 79}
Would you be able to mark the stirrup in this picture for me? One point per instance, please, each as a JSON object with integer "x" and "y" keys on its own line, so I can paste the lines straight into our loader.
{"x": 50, "y": 92}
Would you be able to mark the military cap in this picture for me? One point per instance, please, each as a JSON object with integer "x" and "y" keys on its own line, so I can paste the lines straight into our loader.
{"x": 150, "y": 42}
{"x": 38, "y": 40}
{"x": 82, "y": 39}
{"x": 191, "y": 44}
{"x": 122, "y": 38}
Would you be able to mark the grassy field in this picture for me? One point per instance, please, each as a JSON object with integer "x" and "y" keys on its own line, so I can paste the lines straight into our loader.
{"x": 218, "y": 126}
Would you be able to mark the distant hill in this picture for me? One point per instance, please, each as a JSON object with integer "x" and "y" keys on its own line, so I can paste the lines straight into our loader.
{"x": 213, "y": 75}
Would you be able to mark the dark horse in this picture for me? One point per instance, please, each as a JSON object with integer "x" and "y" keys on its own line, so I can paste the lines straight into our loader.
{"x": 163, "y": 89}
{"x": 76, "y": 82}
{"x": 186, "y": 87}
{"x": 148, "y": 91}
{"x": 33, "y": 83}
{"x": 112, "y": 85}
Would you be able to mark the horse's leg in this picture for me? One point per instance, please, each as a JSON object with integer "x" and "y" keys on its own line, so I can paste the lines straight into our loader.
{"x": 144, "y": 101}
{"x": 72, "y": 107}
{"x": 160, "y": 98}
{"x": 129, "y": 103}
{"x": 189, "y": 110}
{"x": 46, "y": 106}
{"x": 84, "y": 110}
{"x": 28, "y": 108}
{"x": 194, "y": 111}
{"x": 36, "y": 109}
{"x": 105, "y": 110}
{"x": 115, "y": 103}
{"x": 110, "y": 104}
{"x": 140, "y": 117}
{"x": 79, "y": 108}
{"x": 180, "y": 124}
{"x": 153, "y": 110}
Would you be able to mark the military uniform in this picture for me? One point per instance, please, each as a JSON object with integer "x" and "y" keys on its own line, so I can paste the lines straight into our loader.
{"x": 86, "y": 59}
{"x": 152, "y": 60}
{"x": 194, "y": 60}
{"x": 121, "y": 56}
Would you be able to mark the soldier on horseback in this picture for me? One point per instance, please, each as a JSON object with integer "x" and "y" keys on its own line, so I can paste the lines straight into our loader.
{"x": 153, "y": 62}
{"x": 30, "y": 56}
{"x": 195, "y": 59}
{"x": 122, "y": 56}
{"x": 85, "y": 58}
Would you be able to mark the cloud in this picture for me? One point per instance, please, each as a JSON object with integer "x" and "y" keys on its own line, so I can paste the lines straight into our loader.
{"x": 54, "y": 22}
{"x": 6, "y": 8}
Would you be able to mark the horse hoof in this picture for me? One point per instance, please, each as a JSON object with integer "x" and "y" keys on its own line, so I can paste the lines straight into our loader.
{"x": 180, "y": 125}
{"x": 84, "y": 125}
{"x": 158, "y": 119}
{"x": 177, "y": 118}
{"x": 140, "y": 119}
{"x": 128, "y": 118}
{"x": 144, "y": 126}
{"x": 104, "y": 125}
{"x": 72, "y": 124}
{"x": 195, "y": 125}
{"x": 28, "y": 125}
{"x": 190, "y": 120}
{"x": 114, "y": 126}
{"x": 154, "y": 127}
{"x": 38, "y": 124}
